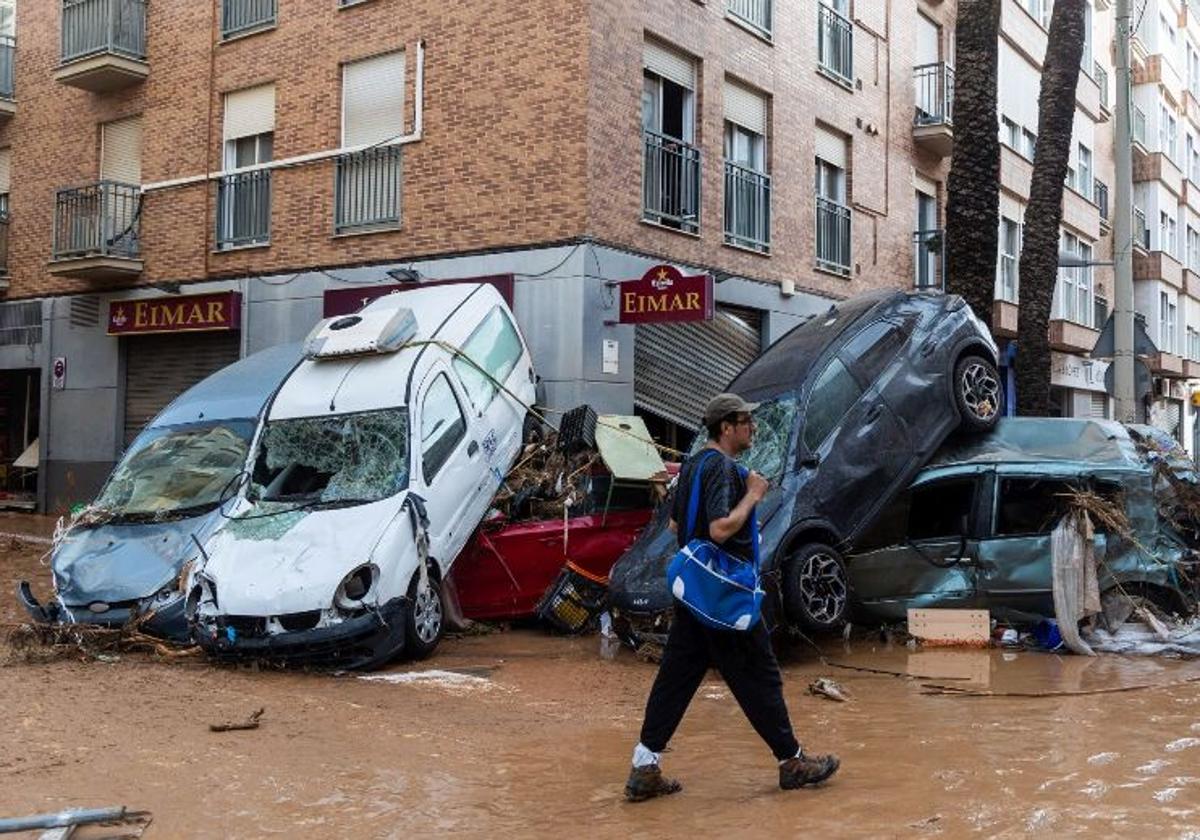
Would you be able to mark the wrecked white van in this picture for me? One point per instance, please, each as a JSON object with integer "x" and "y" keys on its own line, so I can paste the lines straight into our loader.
{"x": 384, "y": 447}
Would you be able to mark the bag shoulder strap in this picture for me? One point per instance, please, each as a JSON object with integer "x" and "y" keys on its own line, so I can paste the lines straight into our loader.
{"x": 694, "y": 498}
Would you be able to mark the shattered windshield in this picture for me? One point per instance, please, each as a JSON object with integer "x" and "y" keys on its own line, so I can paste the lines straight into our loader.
{"x": 178, "y": 469}
{"x": 773, "y": 422}
{"x": 348, "y": 458}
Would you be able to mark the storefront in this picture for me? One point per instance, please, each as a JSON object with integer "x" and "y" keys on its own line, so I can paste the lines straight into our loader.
{"x": 1077, "y": 386}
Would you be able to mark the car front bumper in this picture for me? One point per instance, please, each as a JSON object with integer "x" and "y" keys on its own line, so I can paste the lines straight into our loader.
{"x": 167, "y": 621}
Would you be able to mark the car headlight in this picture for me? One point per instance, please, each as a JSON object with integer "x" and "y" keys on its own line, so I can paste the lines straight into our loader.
{"x": 356, "y": 587}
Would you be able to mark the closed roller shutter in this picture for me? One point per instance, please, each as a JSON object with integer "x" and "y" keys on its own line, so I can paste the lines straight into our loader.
{"x": 670, "y": 64}
{"x": 745, "y": 107}
{"x": 678, "y": 368}
{"x": 5, "y": 169}
{"x": 249, "y": 112}
{"x": 158, "y": 368}
{"x": 373, "y": 100}
{"x": 1168, "y": 416}
{"x": 121, "y": 151}
{"x": 831, "y": 147}
{"x": 1099, "y": 407}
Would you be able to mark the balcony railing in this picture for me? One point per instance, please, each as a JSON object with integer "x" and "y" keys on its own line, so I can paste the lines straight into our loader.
{"x": 93, "y": 27}
{"x": 1141, "y": 233}
{"x": 670, "y": 182}
{"x": 833, "y": 236}
{"x": 1102, "y": 82}
{"x": 1100, "y": 196}
{"x": 929, "y": 259}
{"x": 835, "y": 44}
{"x": 935, "y": 94}
{"x": 8, "y": 52}
{"x": 238, "y": 16}
{"x": 99, "y": 220}
{"x": 368, "y": 189}
{"x": 756, "y": 13}
{"x": 747, "y": 207}
{"x": 1139, "y": 125}
{"x": 244, "y": 209}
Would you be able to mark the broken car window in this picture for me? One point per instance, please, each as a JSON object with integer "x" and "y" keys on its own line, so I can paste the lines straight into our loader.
{"x": 832, "y": 396}
{"x": 1031, "y": 505}
{"x": 442, "y": 426}
{"x": 938, "y": 509}
{"x": 353, "y": 458}
{"x": 495, "y": 347}
{"x": 773, "y": 421}
{"x": 178, "y": 467}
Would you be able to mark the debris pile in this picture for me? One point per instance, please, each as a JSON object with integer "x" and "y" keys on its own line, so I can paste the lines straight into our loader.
{"x": 35, "y": 643}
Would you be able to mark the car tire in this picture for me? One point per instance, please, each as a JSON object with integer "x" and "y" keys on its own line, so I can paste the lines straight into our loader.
{"x": 978, "y": 395}
{"x": 425, "y": 619}
{"x": 816, "y": 589}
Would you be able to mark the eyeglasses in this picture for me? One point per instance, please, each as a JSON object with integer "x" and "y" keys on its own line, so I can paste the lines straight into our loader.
{"x": 743, "y": 421}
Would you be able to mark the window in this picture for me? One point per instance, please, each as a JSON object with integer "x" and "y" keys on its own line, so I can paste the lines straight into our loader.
{"x": 1192, "y": 162}
{"x": 756, "y": 13}
{"x": 1028, "y": 143}
{"x": 1010, "y": 134}
{"x": 1029, "y": 506}
{"x": 870, "y": 352}
{"x": 941, "y": 510}
{"x": 1074, "y": 293}
{"x": 927, "y": 242}
{"x": 832, "y": 396}
{"x": 368, "y": 181}
{"x": 671, "y": 163}
{"x": 1010, "y": 249}
{"x": 835, "y": 40}
{"x": 1168, "y": 314}
{"x": 496, "y": 347}
{"x": 1167, "y": 234}
{"x": 1193, "y": 348}
{"x": 8, "y": 18}
{"x": 1083, "y": 180}
{"x": 443, "y": 427}
{"x": 1167, "y": 128}
{"x": 1193, "y": 62}
{"x": 244, "y": 198}
{"x": 1086, "y": 61}
{"x": 238, "y": 16}
{"x": 747, "y": 185}
{"x": 1193, "y": 249}
{"x": 833, "y": 212}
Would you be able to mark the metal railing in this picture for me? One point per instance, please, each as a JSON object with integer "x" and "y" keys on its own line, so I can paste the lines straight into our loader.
{"x": 835, "y": 43}
{"x": 8, "y": 52}
{"x": 1101, "y": 77}
{"x": 1141, "y": 233}
{"x": 244, "y": 209}
{"x": 833, "y": 236}
{"x": 99, "y": 220}
{"x": 1139, "y": 125}
{"x": 756, "y": 13}
{"x": 929, "y": 259}
{"x": 747, "y": 207}
{"x": 367, "y": 189}
{"x": 935, "y": 94}
{"x": 243, "y": 15}
{"x": 1099, "y": 312}
{"x": 670, "y": 182}
{"x": 93, "y": 27}
{"x": 1100, "y": 197}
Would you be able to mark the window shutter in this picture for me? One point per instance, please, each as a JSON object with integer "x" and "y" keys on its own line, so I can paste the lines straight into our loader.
{"x": 121, "y": 151}
{"x": 373, "y": 100}
{"x": 1099, "y": 406}
{"x": 745, "y": 107}
{"x": 670, "y": 64}
{"x": 831, "y": 147}
{"x": 5, "y": 170}
{"x": 249, "y": 112}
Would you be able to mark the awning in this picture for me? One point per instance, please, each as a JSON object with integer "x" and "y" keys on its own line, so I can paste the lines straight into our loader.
{"x": 625, "y": 447}
{"x": 29, "y": 458}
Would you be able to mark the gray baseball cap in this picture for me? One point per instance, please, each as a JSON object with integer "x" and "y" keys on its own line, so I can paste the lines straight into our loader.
{"x": 722, "y": 405}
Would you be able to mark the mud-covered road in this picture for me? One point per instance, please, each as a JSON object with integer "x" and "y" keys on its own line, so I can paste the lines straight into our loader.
{"x": 529, "y": 735}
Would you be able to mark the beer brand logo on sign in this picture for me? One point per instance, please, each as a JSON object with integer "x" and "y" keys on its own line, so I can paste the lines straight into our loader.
{"x": 186, "y": 313}
{"x": 664, "y": 294}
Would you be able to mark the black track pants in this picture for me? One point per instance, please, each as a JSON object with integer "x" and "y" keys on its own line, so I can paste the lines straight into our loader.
{"x": 747, "y": 664}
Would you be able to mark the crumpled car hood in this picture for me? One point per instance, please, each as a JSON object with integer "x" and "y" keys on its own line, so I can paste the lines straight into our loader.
{"x": 261, "y": 572}
{"x": 126, "y": 562}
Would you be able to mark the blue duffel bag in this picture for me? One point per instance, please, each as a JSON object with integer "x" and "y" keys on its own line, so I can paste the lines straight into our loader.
{"x": 722, "y": 590}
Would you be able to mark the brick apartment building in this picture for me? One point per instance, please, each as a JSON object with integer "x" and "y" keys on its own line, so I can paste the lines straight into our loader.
{"x": 279, "y": 156}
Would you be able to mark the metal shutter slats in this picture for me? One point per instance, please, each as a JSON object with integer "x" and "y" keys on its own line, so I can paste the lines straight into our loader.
{"x": 249, "y": 112}
{"x": 670, "y": 64}
{"x": 745, "y": 107}
{"x": 5, "y": 170}
{"x": 373, "y": 100}
{"x": 831, "y": 147}
{"x": 1099, "y": 406}
{"x": 121, "y": 151}
{"x": 158, "y": 368}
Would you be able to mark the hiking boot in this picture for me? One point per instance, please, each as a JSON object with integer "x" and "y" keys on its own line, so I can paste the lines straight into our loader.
{"x": 807, "y": 770}
{"x": 648, "y": 782}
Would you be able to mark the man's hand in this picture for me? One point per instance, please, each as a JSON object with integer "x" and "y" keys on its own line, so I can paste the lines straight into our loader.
{"x": 756, "y": 486}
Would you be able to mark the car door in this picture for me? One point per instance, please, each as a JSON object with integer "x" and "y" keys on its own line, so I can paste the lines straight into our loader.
{"x": 451, "y": 464}
{"x": 923, "y": 551}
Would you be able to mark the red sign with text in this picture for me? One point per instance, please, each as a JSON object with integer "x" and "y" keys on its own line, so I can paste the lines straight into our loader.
{"x": 348, "y": 300}
{"x": 183, "y": 313}
{"x": 664, "y": 295}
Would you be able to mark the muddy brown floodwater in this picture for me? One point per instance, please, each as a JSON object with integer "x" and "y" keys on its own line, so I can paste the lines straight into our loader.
{"x": 523, "y": 734}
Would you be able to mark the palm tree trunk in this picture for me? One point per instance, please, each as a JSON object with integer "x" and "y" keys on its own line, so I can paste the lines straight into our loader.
{"x": 973, "y": 202}
{"x": 1038, "y": 269}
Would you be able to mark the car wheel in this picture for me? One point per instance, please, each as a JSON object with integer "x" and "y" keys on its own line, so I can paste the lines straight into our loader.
{"x": 977, "y": 393}
{"x": 424, "y": 620}
{"x": 816, "y": 591}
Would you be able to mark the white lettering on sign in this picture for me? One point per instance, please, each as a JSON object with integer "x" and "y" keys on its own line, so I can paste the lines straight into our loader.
{"x": 1067, "y": 371}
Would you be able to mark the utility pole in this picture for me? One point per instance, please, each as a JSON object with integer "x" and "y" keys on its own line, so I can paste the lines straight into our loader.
{"x": 1123, "y": 373}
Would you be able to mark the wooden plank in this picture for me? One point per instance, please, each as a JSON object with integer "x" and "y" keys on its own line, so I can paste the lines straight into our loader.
{"x": 950, "y": 627}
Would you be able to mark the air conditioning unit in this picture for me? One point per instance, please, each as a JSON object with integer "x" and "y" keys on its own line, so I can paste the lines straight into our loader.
{"x": 1164, "y": 388}
{"x": 364, "y": 333}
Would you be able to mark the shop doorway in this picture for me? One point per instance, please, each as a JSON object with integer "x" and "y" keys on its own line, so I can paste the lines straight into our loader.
{"x": 20, "y": 412}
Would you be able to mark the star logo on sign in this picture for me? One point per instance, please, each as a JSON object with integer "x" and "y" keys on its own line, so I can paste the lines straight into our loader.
{"x": 662, "y": 280}
{"x": 119, "y": 319}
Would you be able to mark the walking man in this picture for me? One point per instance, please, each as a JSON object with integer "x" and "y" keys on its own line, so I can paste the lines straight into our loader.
{"x": 744, "y": 658}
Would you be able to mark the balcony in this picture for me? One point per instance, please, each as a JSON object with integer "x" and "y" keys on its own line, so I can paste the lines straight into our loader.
{"x": 755, "y": 14}
{"x": 1156, "y": 166}
{"x": 1070, "y": 337}
{"x": 8, "y": 54}
{"x": 1100, "y": 197}
{"x": 833, "y": 237}
{"x": 367, "y": 190}
{"x": 244, "y": 210}
{"x": 747, "y": 208}
{"x": 1158, "y": 265}
{"x": 97, "y": 232}
{"x": 835, "y": 46}
{"x": 103, "y": 44}
{"x": 670, "y": 183}
{"x": 1168, "y": 365}
{"x": 933, "y": 116}
{"x": 929, "y": 260}
{"x": 1004, "y": 319}
{"x": 242, "y": 17}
